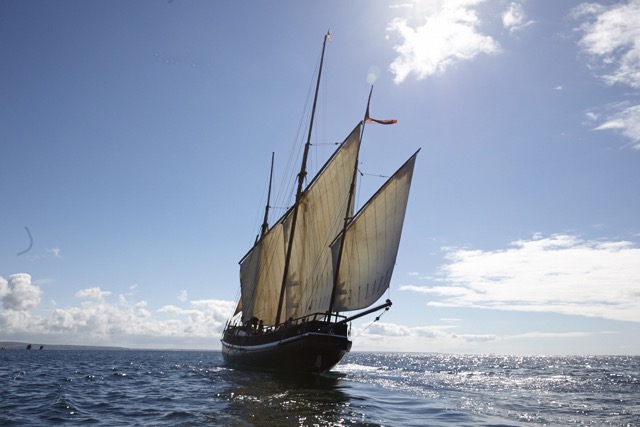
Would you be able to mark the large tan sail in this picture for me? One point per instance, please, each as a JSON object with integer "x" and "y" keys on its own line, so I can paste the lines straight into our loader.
{"x": 320, "y": 219}
{"x": 371, "y": 244}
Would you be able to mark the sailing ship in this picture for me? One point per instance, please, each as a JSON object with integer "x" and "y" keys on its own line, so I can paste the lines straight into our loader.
{"x": 319, "y": 260}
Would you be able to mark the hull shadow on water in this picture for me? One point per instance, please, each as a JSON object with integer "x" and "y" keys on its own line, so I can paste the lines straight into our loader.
{"x": 257, "y": 398}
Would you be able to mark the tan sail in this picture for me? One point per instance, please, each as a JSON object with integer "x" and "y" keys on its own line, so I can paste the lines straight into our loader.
{"x": 320, "y": 219}
{"x": 371, "y": 244}
{"x": 260, "y": 277}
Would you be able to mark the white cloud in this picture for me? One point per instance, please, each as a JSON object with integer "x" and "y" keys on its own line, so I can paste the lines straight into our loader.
{"x": 612, "y": 34}
{"x": 182, "y": 296}
{"x": 97, "y": 321}
{"x": 561, "y": 274}
{"x": 627, "y": 121}
{"x": 401, "y": 6}
{"x": 449, "y": 35}
{"x": 514, "y": 18}
{"x": 55, "y": 252}
{"x": 388, "y": 329}
{"x": 218, "y": 310}
{"x": 592, "y": 116}
{"x": 94, "y": 293}
{"x": 549, "y": 335}
{"x": 611, "y": 124}
{"x": 18, "y": 293}
{"x": 452, "y": 336}
{"x": 394, "y": 337}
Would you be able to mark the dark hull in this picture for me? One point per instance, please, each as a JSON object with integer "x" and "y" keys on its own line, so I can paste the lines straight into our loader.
{"x": 313, "y": 347}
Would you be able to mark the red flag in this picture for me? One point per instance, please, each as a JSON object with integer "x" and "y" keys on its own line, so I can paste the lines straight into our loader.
{"x": 382, "y": 122}
{"x": 368, "y": 119}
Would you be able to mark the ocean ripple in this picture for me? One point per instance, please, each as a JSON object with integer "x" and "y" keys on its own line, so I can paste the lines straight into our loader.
{"x": 172, "y": 388}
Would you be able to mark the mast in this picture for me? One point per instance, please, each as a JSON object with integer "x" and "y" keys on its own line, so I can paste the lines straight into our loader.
{"x": 299, "y": 192}
{"x": 347, "y": 218}
{"x": 265, "y": 223}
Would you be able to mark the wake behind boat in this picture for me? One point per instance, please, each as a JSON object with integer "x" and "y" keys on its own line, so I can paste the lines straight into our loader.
{"x": 317, "y": 261}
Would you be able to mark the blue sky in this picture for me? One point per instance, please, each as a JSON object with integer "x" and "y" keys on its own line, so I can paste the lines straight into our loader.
{"x": 136, "y": 137}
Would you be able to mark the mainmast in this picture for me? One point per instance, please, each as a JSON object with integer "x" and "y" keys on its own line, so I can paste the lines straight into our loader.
{"x": 299, "y": 192}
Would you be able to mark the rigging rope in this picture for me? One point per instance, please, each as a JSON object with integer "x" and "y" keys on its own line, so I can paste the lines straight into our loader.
{"x": 322, "y": 144}
{"x": 372, "y": 322}
{"x": 371, "y": 174}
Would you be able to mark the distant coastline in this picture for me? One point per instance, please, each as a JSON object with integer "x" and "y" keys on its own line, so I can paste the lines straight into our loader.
{"x": 35, "y": 346}
{"x": 12, "y": 345}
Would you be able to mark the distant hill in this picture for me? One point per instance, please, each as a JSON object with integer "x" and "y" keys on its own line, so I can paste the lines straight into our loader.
{"x": 10, "y": 345}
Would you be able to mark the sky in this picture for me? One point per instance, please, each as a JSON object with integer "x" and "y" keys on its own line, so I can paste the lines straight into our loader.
{"x": 136, "y": 138}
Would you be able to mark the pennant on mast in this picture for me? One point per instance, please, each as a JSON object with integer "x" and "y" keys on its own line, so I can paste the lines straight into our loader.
{"x": 368, "y": 119}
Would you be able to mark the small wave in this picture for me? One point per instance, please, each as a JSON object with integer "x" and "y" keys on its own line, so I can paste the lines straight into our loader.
{"x": 120, "y": 375}
{"x": 354, "y": 367}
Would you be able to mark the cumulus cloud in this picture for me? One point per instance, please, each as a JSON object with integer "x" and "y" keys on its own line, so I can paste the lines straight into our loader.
{"x": 611, "y": 36}
{"x": 560, "y": 273}
{"x": 18, "y": 293}
{"x": 94, "y": 293}
{"x": 99, "y": 321}
{"x": 448, "y": 35}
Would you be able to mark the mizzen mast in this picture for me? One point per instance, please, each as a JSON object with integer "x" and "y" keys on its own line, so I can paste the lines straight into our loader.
{"x": 347, "y": 217}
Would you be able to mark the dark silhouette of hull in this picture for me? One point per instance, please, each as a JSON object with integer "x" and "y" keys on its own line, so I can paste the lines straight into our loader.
{"x": 313, "y": 347}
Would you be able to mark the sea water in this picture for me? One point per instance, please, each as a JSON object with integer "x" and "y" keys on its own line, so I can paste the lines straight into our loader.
{"x": 191, "y": 388}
